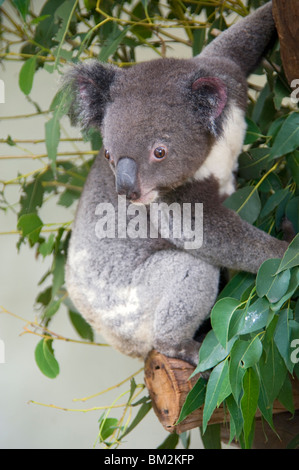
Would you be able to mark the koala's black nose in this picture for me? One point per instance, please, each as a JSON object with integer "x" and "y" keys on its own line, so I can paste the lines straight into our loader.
{"x": 126, "y": 178}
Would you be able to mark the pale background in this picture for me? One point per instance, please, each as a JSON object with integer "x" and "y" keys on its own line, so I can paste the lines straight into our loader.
{"x": 85, "y": 370}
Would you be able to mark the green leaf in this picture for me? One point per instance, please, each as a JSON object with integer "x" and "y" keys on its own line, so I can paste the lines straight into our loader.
{"x": 194, "y": 400}
{"x": 26, "y": 75}
{"x": 58, "y": 273}
{"x": 254, "y": 163}
{"x": 32, "y": 197}
{"x": 221, "y": 316}
{"x": 244, "y": 354}
{"x": 285, "y": 396}
{"x": 52, "y": 129}
{"x": 218, "y": 375}
{"x": 170, "y": 442}
{"x": 293, "y": 164}
{"x": 45, "y": 359}
{"x": 64, "y": 13}
{"x": 287, "y": 139}
{"x": 199, "y": 35}
{"x": 112, "y": 44}
{"x": 256, "y": 317}
{"x": 253, "y": 132}
{"x": 22, "y": 6}
{"x": 52, "y": 308}
{"x": 271, "y": 284}
{"x": 211, "y": 438}
{"x": 211, "y": 352}
{"x": 280, "y": 91}
{"x": 237, "y": 286}
{"x": 292, "y": 212}
{"x": 293, "y": 285}
{"x": 294, "y": 443}
{"x": 46, "y": 248}
{"x": 291, "y": 256}
{"x": 81, "y": 326}
{"x": 60, "y": 106}
{"x": 272, "y": 372}
{"x": 30, "y": 225}
{"x": 107, "y": 427}
{"x": 274, "y": 201}
{"x": 264, "y": 404}
{"x": 282, "y": 338}
{"x": 236, "y": 419}
{"x": 249, "y": 402}
{"x": 246, "y": 202}
{"x": 142, "y": 412}
{"x": 68, "y": 197}
{"x": 39, "y": 19}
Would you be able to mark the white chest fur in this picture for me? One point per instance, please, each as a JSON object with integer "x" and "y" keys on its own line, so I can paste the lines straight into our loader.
{"x": 223, "y": 159}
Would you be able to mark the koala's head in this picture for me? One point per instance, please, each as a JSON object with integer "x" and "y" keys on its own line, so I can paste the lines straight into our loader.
{"x": 159, "y": 120}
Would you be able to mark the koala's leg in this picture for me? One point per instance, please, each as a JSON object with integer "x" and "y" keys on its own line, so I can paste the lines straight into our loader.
{"x": 186, "y": 289}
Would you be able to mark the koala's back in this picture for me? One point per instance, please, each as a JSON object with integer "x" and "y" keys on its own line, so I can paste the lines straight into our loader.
{"x": 118, "y": 284}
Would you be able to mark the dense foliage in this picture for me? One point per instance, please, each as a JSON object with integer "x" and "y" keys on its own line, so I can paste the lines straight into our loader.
{"x": 252, "y": 349}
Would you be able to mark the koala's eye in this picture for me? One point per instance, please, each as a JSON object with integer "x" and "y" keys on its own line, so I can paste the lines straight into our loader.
{"x": 159, "y": 152}
{"x": 107, "y": 155}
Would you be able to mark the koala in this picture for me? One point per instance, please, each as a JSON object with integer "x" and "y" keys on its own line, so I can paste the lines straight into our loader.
{"x": 172, "y": 131}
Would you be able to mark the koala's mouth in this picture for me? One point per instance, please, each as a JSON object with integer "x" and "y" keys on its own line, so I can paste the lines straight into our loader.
{"x": 146, "y": 198}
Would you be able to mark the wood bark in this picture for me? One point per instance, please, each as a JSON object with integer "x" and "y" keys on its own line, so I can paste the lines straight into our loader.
{"x": 168, "y": 382}
{"x": 286, "y": 16}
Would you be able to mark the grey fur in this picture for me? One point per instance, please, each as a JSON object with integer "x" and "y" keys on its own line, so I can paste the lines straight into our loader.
{"x": 151, "y": 293}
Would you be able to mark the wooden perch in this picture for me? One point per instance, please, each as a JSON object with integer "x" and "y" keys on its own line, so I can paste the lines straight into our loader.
{"x": 168, "y": 385}
{"x": 286, "y": 16}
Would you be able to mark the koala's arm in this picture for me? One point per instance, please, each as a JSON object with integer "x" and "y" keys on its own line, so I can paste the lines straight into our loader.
{"x": 228, "y": 240}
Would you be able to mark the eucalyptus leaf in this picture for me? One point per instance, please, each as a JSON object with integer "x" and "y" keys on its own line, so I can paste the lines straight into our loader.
{"x": 236, "y": 418}
{"x": 45, "y": 359}
{"x": 246, "y": 203}
{"x": 287, "y": 139}
{"x": 274, "y": 201}
{"x": 249, "y": 402}
{"x": 244, "y": 354}
{"x": 107, "y": 427}
{"x": 30, "y": 225}
{"x": 256, "y": 317}
{"x": 237, "y": 286}
{"x": 272, "y": 372}
{"x": 26, "y": 75}
{"x": 291, "y": 256}
{"x": 22, "y": 6}
{"x": 254, "y": 162}
{"x": 282, "y": 338}
{"x": 194, "y": 400}
{"x": 271, "y": 284}
{"x": 211, "y": 352}
{"x": 218, "y": 375}
{"x": 81, "y": 326}
{"x": 221, "y": 315}
{"x": 253, "y": 132}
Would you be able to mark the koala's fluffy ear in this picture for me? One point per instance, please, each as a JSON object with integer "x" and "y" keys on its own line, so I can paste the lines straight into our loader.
{"x": 89, "y": 85}
{"x": 209, "y": 97}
